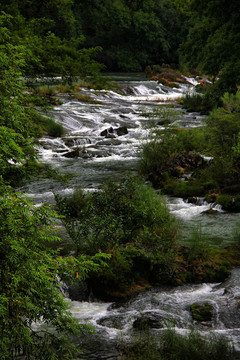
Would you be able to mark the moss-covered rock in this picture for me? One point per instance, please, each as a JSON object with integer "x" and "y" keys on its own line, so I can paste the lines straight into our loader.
{"x": 201, "y": 311}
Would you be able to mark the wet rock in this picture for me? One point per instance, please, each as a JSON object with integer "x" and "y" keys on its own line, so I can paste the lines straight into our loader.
{"x": 110, "y": 132}
{"x": 109, "y": 142}
{"x": 127, "y": 90}
{"x": 122, "y": 130}
{"x": 72, "y": 154}
{"x": 149, "y": 321}
{"x": 79, "y": 292}
{"x": 192, "y": 200}
{"x": 210, "y": 211}
{"x": 77, "y": 153}
{"x": 71, "y": 142}
{"x": 115, "y": 322}
{"x": 107, "y": 132}
{"x": 201, "y": 311}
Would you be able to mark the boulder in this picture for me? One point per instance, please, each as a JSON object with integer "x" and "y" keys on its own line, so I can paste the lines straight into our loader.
{"x": 107, "y": 132}
{"x": 110, "y": 132}
{"x": 72, "y": 154}
{"x": 201, "y": 311}
{"x": 122, "y": 130}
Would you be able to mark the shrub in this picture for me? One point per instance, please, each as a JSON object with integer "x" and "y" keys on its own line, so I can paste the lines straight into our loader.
{"x": 53, "y": 128}
{"x": 183, "y": 189}
{"x": 200, "y": 103}
{"x": 225, "y": 201}
{"x": 128, "y": 212}
{"x": 173, "y": 346}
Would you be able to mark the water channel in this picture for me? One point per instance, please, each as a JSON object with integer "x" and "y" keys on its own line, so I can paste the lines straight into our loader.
{"x": 100, "y": 158}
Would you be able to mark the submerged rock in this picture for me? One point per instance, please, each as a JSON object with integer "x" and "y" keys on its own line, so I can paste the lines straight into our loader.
{"x": 210, "y": 211}
{"x": 109, "y": 142}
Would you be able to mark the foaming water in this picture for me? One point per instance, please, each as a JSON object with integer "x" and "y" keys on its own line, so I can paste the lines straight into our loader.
{"x": 216, "y": 228}
{"x": 164, "y": 307}
{"x": 101, "y": 157}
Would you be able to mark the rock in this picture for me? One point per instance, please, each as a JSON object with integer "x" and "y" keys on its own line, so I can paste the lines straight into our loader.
{"x": 107, "y": 132}
{"x": 72, "y": 154}
{"x": 109, "y": 142}
{"x": 79, "y": 292}
{"x": 77, "y": 153}
{"x": 192, "y": 200}
{"x": 148, "y": 321}
{"x": 113, "y": 321}
{"x": 110, "y": 132}
{"x": 210, "y": 211}
{"x": 122, "y": 130}
{"x": 110, "y": 136}
{"x": 201, "y": 311}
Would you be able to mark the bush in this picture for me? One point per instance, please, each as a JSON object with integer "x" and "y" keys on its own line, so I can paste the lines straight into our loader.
{"x": 202, "y": 103}
{"x": 183, "y": 189}
{"x": 128, "y": 220}
{"x": 53, "y": 128}
{"x": 159, "y": 153}
{"x": 128, "y": 212}
{"x": 225, "y": 201}
{"x": 173, "y": 346}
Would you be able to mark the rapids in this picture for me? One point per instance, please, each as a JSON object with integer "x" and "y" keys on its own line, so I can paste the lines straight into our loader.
{"x": 161, "y": 307}
{"x": 100, "y": 158}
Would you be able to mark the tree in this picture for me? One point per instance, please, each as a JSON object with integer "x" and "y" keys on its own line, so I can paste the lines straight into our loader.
{"x": 133, "y": 34}
{"x": 213, "y": 42}
{"x": 30, "y": 288}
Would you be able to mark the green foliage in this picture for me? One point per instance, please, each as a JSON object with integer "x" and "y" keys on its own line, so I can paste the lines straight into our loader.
{"x": 161, "y": 115}
{"x": 184, "y": 189}
{"x": 201, "y": 312}
{"x": 160, "y": 151}
{"x": 219, "y": 139}
{"x": 128, "y": 220}
{"x": 173, "y": 346}
{"x": 198, "y": 248}
{"x": 225, "y": 201}
{"x": 118, "y": 214}
{"x": 132, "y": 34}
{"x": 212, "y": 43}
{"x": 30, "y": 286}
{"x": 200, "y": 103}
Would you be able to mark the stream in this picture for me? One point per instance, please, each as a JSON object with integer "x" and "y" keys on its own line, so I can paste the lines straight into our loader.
{"x": 101, "y": 157}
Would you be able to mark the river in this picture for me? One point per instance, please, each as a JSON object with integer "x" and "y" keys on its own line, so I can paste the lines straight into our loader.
{"x": 102, "y": 157}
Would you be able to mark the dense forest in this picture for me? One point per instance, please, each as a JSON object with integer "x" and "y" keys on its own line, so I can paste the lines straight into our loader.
{"x": 70, "y": 39}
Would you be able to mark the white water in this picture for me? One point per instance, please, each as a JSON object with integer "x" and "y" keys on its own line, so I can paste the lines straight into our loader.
{"x": 166, "y": 307}
{"x": 101, "y": 158}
